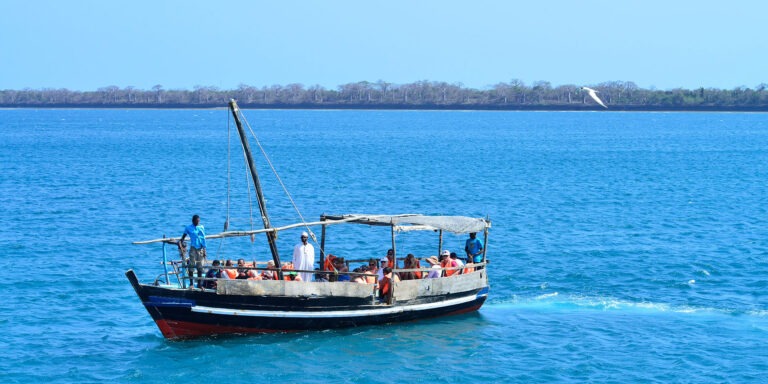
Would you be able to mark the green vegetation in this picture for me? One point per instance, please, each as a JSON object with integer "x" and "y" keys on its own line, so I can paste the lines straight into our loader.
{"x": 514, "y": 95}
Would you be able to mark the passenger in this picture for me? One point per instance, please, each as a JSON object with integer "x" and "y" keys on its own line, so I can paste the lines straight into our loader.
{"x": 358, "y": 278}
{"x": 391, "y": 258}
{"x": 271, "y": 272}
{"x": 447, "y": 262}
{"x": 213, "y": 273}
{"x": 382, "y": 264}
{"x": 474, "y": 249}
{"x": 385, "y": 285}
{"x": 242, "y": 272}
{"x": 289, "y": 274}
{"x": 371, "y": 274}
{"x": 343, "y": 270}
{"x": 435, "y": 271}
{"x": 252, "y": 275}
{"x": 460, "y": 263}
{"x": 320, "y": 277}
{"x": 229, "y": 271}
{"x": 411, "y": 262}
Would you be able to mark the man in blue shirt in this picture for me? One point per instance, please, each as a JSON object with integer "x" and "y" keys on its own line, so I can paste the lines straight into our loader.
{"x": 197, "y": 255}
{"x": 474, "y": 249}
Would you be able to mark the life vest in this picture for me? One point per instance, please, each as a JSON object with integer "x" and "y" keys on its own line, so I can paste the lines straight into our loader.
{"x": 328, "y": 265}
{"x": 287, "y": 275}
{"x": 384, "y": 286}
{"x": 231, "y": 273}
{"x": 448, "y": 263}
{"x": 417, "y": 273}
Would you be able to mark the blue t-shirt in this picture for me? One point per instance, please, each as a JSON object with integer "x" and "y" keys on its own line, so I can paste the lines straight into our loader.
{"x": 196, "y": 235}
{"x": 475, "y": 246}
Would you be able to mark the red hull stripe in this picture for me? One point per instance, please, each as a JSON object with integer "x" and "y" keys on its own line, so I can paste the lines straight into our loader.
{"x": 173, "y": 329}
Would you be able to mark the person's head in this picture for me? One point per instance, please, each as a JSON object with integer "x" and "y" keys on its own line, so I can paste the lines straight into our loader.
{"x": 472, "y": 235}
{"x": 304, "y": 237}
{"x": 387, "y": 270}
{"x": 228, "y": 263}
{"x": 364, "y": 269}
{"x": 432, "y": 260}
{"x": 446, "y": 253}
{"x": 271, "y": 264}
{"x": 240, "y": 262}
{"x": 372, "y": 263}
{"x": 196, "y": 220}
{"x": 454, "y": 255}
{"x": 384, "y": 262}
{"x": 216, "y": 263}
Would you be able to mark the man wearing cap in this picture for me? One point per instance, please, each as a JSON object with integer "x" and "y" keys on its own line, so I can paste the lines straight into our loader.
{"x": 448, "y": 263}
{"x": 304, "y": 257}
{"x": 196, "y": 260}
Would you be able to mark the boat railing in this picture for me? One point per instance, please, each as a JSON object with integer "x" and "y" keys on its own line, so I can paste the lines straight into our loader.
{"x": 180, "y": 267}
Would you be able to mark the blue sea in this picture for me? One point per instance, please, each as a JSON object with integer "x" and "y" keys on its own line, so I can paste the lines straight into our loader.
{"x": 625, "y": 247}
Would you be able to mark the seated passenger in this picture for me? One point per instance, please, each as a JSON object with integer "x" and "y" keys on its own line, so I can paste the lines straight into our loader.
{"x": 435, "y": 270}
{"x": 411, "y": 262}
{"x": 448, "y": 263}
{"x": 383, "y": 264}
{"x": 252, "y": 275}
{"x": 213, "y": 273}
{"x": 391, "y": 258}
{"x": 320, "y": 277}
{"x": 342, "y": 268}
{"x": 385, "y": 285}
{"x": 242, "y": 272}
{"x": 229, "y": 272}
{"x": 372, "y": 272}
{"x": 270, "y": 273}
{"x": 358, "y": 278}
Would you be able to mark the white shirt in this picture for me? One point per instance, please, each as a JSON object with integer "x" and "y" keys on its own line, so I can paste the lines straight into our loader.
{"x": 304, "y": 258}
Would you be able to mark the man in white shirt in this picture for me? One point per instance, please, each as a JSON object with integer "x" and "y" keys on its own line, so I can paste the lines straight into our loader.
{"x": 304, "y": 257}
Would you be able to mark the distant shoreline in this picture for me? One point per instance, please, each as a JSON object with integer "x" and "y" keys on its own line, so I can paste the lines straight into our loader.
{"x": 395, "y": 107}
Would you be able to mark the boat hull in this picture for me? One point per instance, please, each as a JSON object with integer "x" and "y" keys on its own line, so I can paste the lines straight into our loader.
{"x": 181, "y": 314}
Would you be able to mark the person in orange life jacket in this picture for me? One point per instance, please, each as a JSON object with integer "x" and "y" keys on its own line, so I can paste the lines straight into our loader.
{"x": 229, "y": 272}
{"x": 385, "y": 284}
{"x": 391, "y": 258}
{"x": 447, "y": 262}
{"x": 271, "y": 272}
{"x": 410, "y": 262}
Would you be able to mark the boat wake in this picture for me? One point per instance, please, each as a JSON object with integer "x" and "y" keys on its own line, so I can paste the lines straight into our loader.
{"x": 554, "y": 301}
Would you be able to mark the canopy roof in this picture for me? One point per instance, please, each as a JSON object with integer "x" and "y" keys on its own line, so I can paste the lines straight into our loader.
{"x": 414, "y": 222}
{"x": 401, "y": 223}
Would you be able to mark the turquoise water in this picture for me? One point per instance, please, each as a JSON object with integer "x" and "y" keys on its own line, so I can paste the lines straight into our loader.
{"x": 625, "y": 247}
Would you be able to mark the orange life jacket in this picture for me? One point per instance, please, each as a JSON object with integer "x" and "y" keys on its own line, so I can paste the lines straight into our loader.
{"x": 231, "y": 273}
{"x": 328, "y": 265}
{"x": 417, "y": 273}
{"x": 384, "y": 286}
{"x": 448, "y": 263}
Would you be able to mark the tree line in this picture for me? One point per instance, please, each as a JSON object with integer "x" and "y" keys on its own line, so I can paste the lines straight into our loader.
{"x": 515, "y": 94}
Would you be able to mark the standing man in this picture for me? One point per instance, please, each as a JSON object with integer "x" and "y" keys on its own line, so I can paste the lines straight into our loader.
{"x": 196, "y": 233}
{"x": 474, "y": 249}
{"x": 304, "y": 257}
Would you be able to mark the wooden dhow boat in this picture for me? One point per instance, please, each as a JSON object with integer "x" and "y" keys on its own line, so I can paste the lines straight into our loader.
{"x": 243, "y": 306}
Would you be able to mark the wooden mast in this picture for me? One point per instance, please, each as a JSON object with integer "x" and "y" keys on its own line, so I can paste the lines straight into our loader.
{"x": 271, "y": 236}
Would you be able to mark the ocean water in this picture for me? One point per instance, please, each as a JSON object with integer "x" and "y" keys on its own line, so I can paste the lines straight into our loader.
{"x": 626, "y": 247}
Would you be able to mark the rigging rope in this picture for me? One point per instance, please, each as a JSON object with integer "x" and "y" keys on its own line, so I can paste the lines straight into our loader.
{"x": 274, "y": 171}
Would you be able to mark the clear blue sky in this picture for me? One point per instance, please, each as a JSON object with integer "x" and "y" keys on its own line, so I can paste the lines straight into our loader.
{"x": 84, "y": 45}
